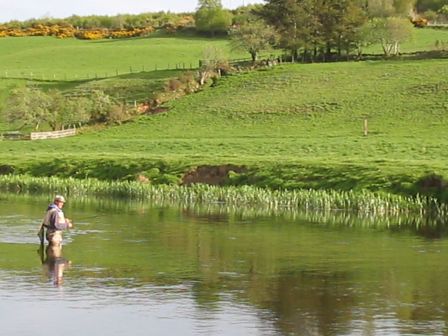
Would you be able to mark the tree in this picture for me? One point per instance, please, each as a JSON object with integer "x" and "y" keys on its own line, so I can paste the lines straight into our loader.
{"x": 27, "y": 106}
{"x": 404, "y": 7}
{"x": 209, "y": 3}
{"x": 295, "y": 22}
{"x": 65, "y": 111}
{"x": 316, "y": 26}
{"x": 212, "y": 64}
{"x": 435, "y": 5}
{"x": 366, "y": 36}
{"x": 391, "y": 32}
{"x": 339, "y": 22}
{"x": 350, "y": 30}
{"x": 101, "y": 105}
{"x": 387, "y": 8}
{"x": 56, "y": 105}
{"x": 212, "y": 18}
{"x": 245, "y": 14}
{"x": 444, "y": 10}
{"x": 253, "y": 37}
{"x": 33, "y": 107}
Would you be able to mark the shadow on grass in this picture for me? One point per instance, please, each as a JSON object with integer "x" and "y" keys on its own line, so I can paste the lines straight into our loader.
{"x": 155, "y": 75}
{"x": 417, "y": 55}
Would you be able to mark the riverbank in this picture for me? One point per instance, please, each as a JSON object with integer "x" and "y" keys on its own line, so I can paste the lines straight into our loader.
{"x": 293, "y": 127}
{"x": 390, "y": 176}
{"x": 374, "y": 125}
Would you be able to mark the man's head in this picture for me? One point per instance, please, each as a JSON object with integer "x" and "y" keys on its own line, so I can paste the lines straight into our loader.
{"x": 59, "y": 201}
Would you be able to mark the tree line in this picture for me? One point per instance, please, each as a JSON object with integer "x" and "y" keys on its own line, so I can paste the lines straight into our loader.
{"x": 322, "y": 30}
{"x": 163, "y": 19}
{"x": 212, "y": 19}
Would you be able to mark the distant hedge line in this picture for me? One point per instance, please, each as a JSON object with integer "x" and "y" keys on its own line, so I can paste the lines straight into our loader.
{"x": 65, "y": 29}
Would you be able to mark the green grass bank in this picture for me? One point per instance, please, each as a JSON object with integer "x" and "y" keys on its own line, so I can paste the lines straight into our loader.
{"x": 296, "y": 126}
{"x": 292, "y": 127}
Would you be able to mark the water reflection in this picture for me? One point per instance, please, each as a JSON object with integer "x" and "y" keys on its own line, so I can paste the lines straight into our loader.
{"x": 425, "y": 225}
{"x": 54, "y": 264}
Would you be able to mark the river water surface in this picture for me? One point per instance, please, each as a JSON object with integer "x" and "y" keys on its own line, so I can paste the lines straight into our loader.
{"x": 140, "y": 269}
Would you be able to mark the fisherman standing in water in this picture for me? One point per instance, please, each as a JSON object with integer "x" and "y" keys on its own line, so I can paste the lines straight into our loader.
{"x": 55, "y": 222}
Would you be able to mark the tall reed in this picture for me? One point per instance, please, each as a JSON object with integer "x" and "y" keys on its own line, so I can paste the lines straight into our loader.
{"x": 362, "y": 202}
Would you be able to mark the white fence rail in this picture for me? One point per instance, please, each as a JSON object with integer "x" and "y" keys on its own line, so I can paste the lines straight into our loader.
{"x": 52, "y": 135}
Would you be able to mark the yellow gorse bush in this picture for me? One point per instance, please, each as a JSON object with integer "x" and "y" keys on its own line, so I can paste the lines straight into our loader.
{"x": 68, "y": 31}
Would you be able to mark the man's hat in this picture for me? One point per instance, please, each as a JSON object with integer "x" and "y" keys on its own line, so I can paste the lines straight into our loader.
{"x": 59, "y": 198}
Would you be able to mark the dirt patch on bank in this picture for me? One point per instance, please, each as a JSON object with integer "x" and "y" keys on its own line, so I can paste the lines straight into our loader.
{"x": 432, "y": 183}
{"x": 213, "y": 175}
{"x": 6, "y": 169}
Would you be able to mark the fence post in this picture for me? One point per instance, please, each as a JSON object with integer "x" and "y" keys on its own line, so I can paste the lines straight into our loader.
{"x": 130, "y": 69}
{"x": 366, "y": 127}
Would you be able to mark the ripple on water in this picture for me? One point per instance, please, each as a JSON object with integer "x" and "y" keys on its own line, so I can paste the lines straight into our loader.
{"x": 18, "y": 229}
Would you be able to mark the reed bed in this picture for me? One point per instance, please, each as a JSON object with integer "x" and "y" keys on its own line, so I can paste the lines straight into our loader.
{"x": 364, "y": 202}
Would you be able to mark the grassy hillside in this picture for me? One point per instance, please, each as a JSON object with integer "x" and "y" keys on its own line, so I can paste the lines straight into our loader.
{"x": 296, "y": 126}
{"x": 72, "y": 58}
{"x": 129, "y": 69}
{"x": 293, "y": 126}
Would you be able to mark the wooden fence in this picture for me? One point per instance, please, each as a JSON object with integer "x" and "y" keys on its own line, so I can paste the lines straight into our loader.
{"x": 52, "y": 135}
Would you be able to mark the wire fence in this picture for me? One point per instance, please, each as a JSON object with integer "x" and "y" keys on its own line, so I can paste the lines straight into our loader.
{"x": 58, "y": 76}
{"x": 94, "y": 75}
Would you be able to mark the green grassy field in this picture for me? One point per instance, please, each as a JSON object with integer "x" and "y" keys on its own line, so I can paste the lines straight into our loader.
{"x": 296, "y": 126}
{"x": 80, "y": 59}
{"x": 301, "y": 124}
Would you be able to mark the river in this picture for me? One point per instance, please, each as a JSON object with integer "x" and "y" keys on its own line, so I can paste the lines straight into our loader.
{"x": 141, "y": 269}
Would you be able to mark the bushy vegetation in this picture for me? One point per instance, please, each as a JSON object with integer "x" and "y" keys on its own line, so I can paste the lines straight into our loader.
{"x": 33, "y": 107}
{"x": 100, "y": 26}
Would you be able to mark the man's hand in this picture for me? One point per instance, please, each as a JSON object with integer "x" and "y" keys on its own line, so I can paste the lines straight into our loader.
{"x": 69, "y": 222}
